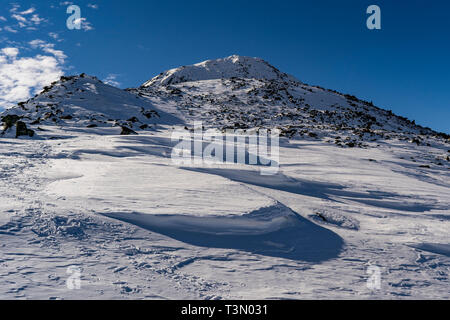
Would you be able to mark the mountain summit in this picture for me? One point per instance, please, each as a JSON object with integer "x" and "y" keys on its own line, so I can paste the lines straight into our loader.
{"x": 244, "y": 93}
{"x": 231, "y": 67}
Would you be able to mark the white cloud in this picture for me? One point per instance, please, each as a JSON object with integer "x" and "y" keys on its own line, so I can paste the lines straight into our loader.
{"x": 48, "y": 48}
{"x": 29, "y": 11}
{"x": 22, "y": 77}
{"x": 10, "y": 29}
{"x": 36, "y": 19}
{"x": 10, "y": 52}
{"x": 85, "y": 25}
{"x": 25, "y": 19}
{"x": 19, "y": 18}
{"x": 23, "y": 74}
{"x": 54, "y": 35}
{"x": 92, "y": 5}
{"x": 14, "y": 8}
{"x": 111, "y": 79}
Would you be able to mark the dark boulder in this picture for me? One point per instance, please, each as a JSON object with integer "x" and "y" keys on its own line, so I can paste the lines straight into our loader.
{"x": 22, "y": 130}
{"x": 10, "y": 120}
{"x": 133, "y": 120}
{"x": 48, "y": 115}
{"x": 150, "y": 114}
{"x": 127, "y": 131}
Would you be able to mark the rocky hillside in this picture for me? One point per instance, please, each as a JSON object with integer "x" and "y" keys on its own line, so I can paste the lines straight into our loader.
{"x": 242, "y": 93}
{"x": 83, "y": 101}
{"x": 231, "y": 93}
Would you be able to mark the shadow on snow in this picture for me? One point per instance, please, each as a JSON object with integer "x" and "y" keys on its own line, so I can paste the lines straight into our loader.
{"x": 275, "y": 231}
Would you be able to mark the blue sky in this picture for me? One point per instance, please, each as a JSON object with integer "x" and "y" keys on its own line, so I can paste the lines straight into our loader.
{"x": 404, "y": 66}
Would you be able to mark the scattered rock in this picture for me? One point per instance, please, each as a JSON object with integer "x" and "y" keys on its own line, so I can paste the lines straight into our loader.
{"x": 176, "y": 91}
{"x": 336, "y": 219}
{"x": 48, "y": 115}
{"x": 133, "y": 120}
{"x": 127, "y": 131}
{"x": 22, "y": 130}
{"x": 150, "y": 114}
{"x": 351, "y": 144}
{"x": 321, "y": 216}
{"x": 10, "y": 120}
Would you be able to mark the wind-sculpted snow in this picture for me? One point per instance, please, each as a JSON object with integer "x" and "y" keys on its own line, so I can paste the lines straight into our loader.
{"x": 320, "y": 190}
{"x": 273, "y": 231}
{"x": 139, "y": 226}
{"x": 438, "y": 248}
{"x": 357, "y": 188}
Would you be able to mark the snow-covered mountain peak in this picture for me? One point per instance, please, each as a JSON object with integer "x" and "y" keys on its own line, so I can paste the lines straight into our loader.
{"x": 234, "y": 66}
{"x": 244, "y": 93}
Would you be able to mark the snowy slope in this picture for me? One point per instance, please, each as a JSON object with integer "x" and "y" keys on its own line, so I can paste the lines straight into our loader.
{"x": 231, "y": 67}
{"x": 352, "y": 192}
{"x": 85, "y": 102}
{"x": 208, "y": 233}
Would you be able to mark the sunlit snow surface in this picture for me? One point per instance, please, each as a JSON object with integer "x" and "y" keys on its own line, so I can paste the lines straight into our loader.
{"x": 141, "y": 227}
{"x": 358, "y": 189}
